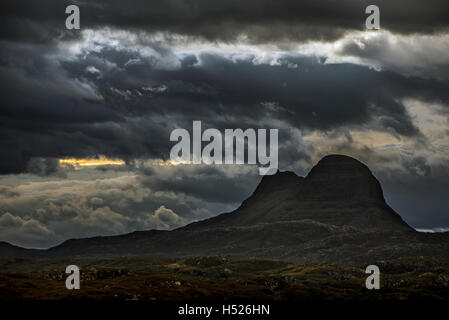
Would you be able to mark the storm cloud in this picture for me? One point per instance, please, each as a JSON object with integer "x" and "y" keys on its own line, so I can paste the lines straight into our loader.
{"x": 129, "y": 105}
{"x": 259, "y": 21}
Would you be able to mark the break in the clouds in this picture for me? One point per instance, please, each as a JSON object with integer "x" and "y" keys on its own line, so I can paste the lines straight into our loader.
{"x": 137, "y": 70}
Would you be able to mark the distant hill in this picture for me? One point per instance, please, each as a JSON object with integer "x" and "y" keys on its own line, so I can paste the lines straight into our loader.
{"x": 10, "y": 251}
{"x": 336, "y": 214}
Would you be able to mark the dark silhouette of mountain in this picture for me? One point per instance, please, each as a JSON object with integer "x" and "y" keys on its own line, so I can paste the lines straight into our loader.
{"x": 338, "y": 191}
{"x": 10, "y": 251}
{"x": 336, "y": 214}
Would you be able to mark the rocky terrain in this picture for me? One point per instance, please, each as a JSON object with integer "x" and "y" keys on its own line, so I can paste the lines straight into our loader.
{"x": 218, "y": 278}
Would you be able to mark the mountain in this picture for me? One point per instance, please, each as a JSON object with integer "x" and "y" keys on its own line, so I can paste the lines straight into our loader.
{"x": 10, "y": 251}
{"x": 337, "y": 214}
{"x": 338, "y": 191}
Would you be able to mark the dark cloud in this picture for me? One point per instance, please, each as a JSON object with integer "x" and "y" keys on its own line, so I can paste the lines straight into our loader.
{"x": 45, "y": 167}
{"x": 205, "y": 182}
{"x": 261, "y": 21}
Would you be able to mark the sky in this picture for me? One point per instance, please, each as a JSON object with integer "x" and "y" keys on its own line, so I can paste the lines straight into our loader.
{"x": 86, "y": 115}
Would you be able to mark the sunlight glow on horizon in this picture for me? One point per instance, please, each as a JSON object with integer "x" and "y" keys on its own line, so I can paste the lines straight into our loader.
{"x": 104, "y": 161}
{"x": 85, "y": 162}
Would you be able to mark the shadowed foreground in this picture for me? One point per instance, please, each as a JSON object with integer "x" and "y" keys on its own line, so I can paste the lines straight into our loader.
{"x": 219, "y": 278}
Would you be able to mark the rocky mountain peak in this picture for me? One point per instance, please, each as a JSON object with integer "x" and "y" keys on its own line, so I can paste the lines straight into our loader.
{"x": 339, "y": 177}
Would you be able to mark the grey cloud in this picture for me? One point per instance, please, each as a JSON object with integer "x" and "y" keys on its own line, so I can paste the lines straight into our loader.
{"x": 416, "y": 55}
{"x": 164, "y": 218}
{"x": 418, "y": 166}
{"x": 28, "y": 230}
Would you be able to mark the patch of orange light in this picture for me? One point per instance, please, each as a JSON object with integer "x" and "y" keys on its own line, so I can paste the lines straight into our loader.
{"x": 85, "y": 162}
